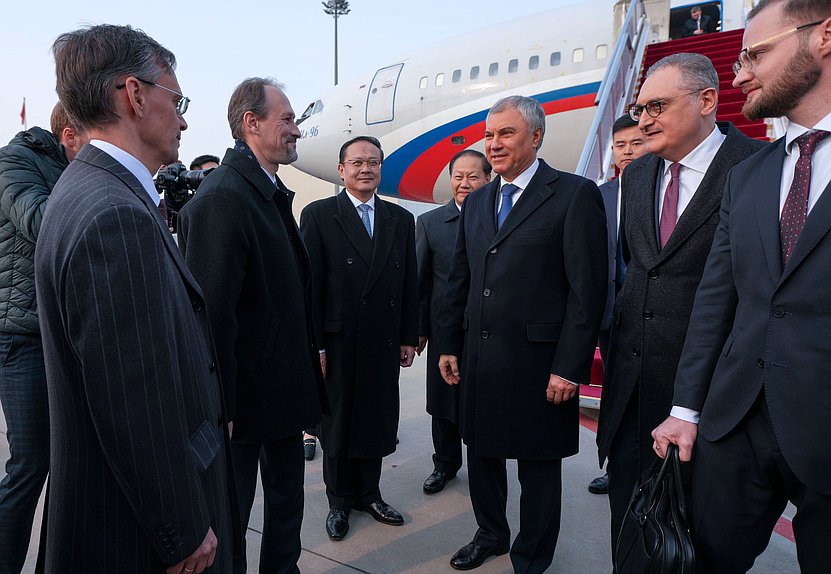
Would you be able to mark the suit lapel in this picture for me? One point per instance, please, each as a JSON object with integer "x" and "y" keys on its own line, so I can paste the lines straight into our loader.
{"x": 641, "y": 200}
{"x": 487, "y": 208}
{"x": 383, "y": 238}
{"x": 768, "y": 181}
{"x": 352, "y": 227}
{"x": 816, "y": 227}
{"x": 451, "y": 212}
{"x": 539, "y": 189}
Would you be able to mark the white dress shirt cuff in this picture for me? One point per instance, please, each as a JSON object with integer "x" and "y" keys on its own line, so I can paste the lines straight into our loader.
{"x": 685, "y": 414}
{"x": 566, "y": 380}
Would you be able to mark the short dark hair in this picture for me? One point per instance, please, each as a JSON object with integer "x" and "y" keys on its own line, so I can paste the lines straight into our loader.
{"x": 486, "y": 167}
{"x": 622, "y": 123}
{"x": 799, "y": 11}
{"x": 368, "y": 139}
{"x": 249, "y": 96}
{"x": 59, "y": 120}
{"x": 695, "y": 9}
{"x": 199, "y": 161}
{"x": 90, "y": 61}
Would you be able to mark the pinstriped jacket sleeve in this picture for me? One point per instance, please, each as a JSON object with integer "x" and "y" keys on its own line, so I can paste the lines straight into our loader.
{"x": 122, "y": 292}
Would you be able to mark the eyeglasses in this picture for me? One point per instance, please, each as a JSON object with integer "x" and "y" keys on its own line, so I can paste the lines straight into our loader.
{"x": 359, "y": 163}
{"x": 181, "y": 104}
{"x": 746, "y": 56}
{"x": 655, "y": 107}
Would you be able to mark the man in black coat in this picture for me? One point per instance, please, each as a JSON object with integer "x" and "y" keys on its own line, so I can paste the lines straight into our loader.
{"x": 697, "y": 24}
{"x": 435, "y": 239}
{"x": 240, "y": 240}
{"x": 756, "y": 359}
{"x": 362, "y": 251}
{"x": 139, "y": 477}
{"x": 669, "y": 214}
{"x": 524, "y": 300}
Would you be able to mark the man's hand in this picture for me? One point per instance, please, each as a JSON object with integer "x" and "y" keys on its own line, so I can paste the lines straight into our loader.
{"x": 202, "y": 557}
{"x": 449, "y": 369}
{"x": 422, "y": 342}
{"x": 407, "y": 355}
{"x": 559, "y": 390}
{"x": 678, "y": 432}
{"x": 323, "y": 363}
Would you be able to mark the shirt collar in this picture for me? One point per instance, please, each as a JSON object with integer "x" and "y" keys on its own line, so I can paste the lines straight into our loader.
{"x": 702, "y": 156}
{"x": 133, "y": 165}
{"x": 523, "y": 179}
{"x": 795, "y": 130}
{"x": 356, "y": 202}
{"x": 271, "y": 176}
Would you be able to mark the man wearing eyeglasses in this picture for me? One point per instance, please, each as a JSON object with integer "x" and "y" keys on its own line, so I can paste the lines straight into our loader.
{"x": 755, "y": 366}
{"x": 669, "y": 214}
{"x": 363, "y": 258}
{"x": 240, "y": 240}
{"x": 139, "y": 471}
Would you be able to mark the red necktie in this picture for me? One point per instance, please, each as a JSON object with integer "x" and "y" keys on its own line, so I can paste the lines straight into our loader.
{"x": 669, "y": 211}
{"x": 795, "y": 211}
{"x": 163, "y": 209}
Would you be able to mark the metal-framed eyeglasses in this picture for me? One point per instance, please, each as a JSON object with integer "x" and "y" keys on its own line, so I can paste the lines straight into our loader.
{"x": 181, "y": 104}
{"x": 747, "y": 55}
{"x": 655, "y": 107}
{"x": 373, "y": 164}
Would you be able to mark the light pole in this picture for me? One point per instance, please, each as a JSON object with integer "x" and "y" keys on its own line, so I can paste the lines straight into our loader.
{"x": 336, "y": 8}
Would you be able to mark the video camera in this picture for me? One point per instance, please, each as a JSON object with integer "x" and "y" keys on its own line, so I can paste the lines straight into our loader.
{"x": 178, "y": 185}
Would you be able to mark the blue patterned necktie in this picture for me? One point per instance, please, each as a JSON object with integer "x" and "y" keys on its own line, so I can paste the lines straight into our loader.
{"x": 365, "y": 218}
{"x": 507, "y": 203}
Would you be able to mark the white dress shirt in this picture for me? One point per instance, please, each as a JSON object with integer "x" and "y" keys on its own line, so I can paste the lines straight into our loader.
{"x": 134, "y": 166}
{"x": 820, "y": 163}
{"x": 371, "y": 203}
{"x": 521, "y": 181}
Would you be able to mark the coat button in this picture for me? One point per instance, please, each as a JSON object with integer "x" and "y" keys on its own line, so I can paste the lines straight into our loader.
{"x": 636, "y": 352}
{"x": 485, "y": 334}
{"x": 349, "y": 261}
{"x": 760, "y": 363}
{"x": 197, "y": 306}
{"x": 493, "y": 251}
{"x": 363, "y": 301}
{"x": 486, "y": 292}
{"x": 392, "y": 303}
{"x": 778, "y": 312}
{"x": 647, "y": 314}
{"x": 653, "y": 274}
{"x": 212, "y": 367}
{"x": 389, "y": 342}
{"x": 397, "y": 264}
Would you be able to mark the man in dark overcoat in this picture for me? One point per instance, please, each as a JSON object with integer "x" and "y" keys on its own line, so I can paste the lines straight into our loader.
{"x": 362, "y": 251}
{"x": 240, "y": 240}
{"x": 435, "y": 239}
{"x": 669, "y": 215}
{"x": 525, "y": 300}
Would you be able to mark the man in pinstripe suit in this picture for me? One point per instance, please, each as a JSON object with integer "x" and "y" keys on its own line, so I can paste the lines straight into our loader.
{"x": 139, "y": 479}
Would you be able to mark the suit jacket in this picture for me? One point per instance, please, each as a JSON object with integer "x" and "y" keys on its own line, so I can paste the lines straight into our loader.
{"x": 242, "y": 244}
{"x": 609, "y": 193}
{"x": 653, "y": 308}
{"x": 138, "y": 469}
{"x": 366, "y": 306}
{"x": 435, "y": 239}
{"x": 758, "y": 327}
{"x": 524, "y": 302}
{"x": 689, "y": 27}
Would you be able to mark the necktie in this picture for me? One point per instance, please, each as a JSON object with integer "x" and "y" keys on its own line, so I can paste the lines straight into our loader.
{"x": 163, "y": 209}
{"x": 795, "y": 211}
{"x": 507, "y": 203}
{"x": 365, "y": 217}
{"x": 669, "y": 211}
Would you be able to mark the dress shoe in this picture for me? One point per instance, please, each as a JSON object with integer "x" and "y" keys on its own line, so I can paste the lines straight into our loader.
{"x": 436, "y": 481}
{"x": 600, "y": 485}
{"x": 383, "y": 512}
{"x": 309, "y": 448}
{"x": 337, "y": 523}
{"x": 472, "y": 555}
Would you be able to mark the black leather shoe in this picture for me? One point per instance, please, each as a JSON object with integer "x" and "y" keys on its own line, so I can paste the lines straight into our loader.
{"x": 436, "y": 481}
{"x": 383, "y": 512}
{"x": 600, "y": 485}
{"x": 309, "y": 448}
{"x": 337, "y": 523}
{"x": 472, "y": 555}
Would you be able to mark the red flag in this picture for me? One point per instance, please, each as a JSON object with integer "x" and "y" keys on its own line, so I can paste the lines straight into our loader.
{"x": 23, "y": 113}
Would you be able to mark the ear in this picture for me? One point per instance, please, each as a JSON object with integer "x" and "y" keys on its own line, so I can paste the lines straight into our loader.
{"x": 708, "y": 99}
{"x": 136, "y": 99}
{"x": 340, "y": 171}
{"x": 251, "y": 123}
{"x": 536, "y": 135}
{"x": 67, "y": 137}
{"x": 824, "y": 35}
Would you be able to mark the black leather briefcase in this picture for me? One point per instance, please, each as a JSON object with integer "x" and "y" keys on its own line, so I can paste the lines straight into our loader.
{"x": 655, "y": 536}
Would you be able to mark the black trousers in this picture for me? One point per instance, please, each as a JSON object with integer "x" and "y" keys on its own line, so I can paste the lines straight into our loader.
{"x": 741, "y": 485}
{"x": 351, "y": 482}
{"x": 447, "y": 446}
{"x": 539, "y": 508}
{"x": 282, "y": 469}
{"x": 622, "y": 466}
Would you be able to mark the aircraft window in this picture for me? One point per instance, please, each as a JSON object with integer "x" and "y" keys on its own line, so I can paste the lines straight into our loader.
{"x": 577, "y": 55}
{"x": 308, "y": 112}
{"x": 457, "y": 75}
{"x": 555, "y": 58}
{"x": 533, "y": 62}
{"x": 422, "y": 83}
{"x": 493, "y": 69}
{"x": 318, "y": 107}
{"x": 439, "y": 79}
{"x": 601, "y": 52}
{"x": 474, "y": 73}
{"x": 513, "y": 65}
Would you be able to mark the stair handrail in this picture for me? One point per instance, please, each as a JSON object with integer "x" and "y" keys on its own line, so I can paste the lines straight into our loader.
{"x": 616, "y": 91}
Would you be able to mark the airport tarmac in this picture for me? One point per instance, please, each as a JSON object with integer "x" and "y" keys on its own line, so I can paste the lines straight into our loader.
{"x": 436, "y": 526}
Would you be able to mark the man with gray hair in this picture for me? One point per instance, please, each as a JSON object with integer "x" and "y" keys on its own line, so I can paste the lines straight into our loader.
{"x": 242, "y": 244}
{"x": 524, "y": 300}
{"x": 139, "y": 472}
{"x": 669, "y": 214}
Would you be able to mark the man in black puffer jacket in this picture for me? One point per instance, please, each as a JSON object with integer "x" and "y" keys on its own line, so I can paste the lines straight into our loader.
{"x": 29, "y": 167}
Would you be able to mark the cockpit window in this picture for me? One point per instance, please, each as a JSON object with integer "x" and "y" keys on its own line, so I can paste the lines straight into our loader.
{"x": 312, "y": 108}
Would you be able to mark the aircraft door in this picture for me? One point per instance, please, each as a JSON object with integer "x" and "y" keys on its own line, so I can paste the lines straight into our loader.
{"x": 380, "y": 101}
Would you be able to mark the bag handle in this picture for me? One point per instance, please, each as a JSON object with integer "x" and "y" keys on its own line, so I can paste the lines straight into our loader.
{"x": 665, "y": 468}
